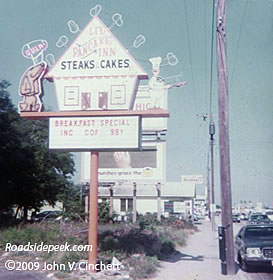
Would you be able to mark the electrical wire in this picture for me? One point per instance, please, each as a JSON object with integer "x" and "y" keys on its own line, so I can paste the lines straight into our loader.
{"x": 238, "y": 44}
{"x": 190, "y": 57}
{"x": 211, "y": 58}
{"x": 205, "y": 39}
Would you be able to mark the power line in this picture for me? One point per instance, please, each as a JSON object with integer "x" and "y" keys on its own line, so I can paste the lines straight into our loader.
{"x": 238, "y": 44}
{"x": 190, "y": 57}
{"x": 205, "y": 39}
{"x": 211, "y": 57}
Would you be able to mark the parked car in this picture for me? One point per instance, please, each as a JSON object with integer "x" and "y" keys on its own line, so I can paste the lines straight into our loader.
{"x": 270, "y": 215}
{"x": 45, "y": 215}
{"x": 243, "y": 217}
{"x": 259, "y": 219}
{"x": 236, "y": 218}
{"x": 254, "y": 246}
{"x": 195, "y": 218}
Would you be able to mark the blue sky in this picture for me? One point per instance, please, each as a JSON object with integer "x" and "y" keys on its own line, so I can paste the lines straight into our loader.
{"x": 182, "y": 27}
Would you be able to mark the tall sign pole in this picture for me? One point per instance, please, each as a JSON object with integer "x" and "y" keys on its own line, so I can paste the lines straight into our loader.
{"x": 93, "y": 209}
{"x": 226, "y": 198}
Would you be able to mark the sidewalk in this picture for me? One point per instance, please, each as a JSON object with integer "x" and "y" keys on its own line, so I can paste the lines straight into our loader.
{"x": 199, "y": 260}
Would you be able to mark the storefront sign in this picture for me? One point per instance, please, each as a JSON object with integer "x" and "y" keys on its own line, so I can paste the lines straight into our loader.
{"x": 197, "y": 179}
{"x": 94, "y": 133}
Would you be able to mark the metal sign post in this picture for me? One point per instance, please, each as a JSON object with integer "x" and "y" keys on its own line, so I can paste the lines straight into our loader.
{"x": 93, "y": 211}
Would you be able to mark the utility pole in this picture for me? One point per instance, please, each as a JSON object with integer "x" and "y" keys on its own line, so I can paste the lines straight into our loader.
{"x": 226, "y": 197}
{"x": 111, "y": 202}
{"x": 212, "y": 209}
{"x": 87, "y": 190}
{"x": 158, "y": 188}
{"x": 134, "y": 202}
{"x": 208, "y": 188}
{"x": 212, "y": 125}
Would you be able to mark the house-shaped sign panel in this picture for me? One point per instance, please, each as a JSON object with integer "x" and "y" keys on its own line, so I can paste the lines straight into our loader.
{"x": 96, "y": 72}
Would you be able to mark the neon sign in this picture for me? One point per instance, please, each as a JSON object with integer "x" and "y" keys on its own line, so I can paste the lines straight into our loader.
{"x": 34, "y": 50}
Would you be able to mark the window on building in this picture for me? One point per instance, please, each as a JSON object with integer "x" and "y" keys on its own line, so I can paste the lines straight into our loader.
{"x": 168, "y": 206}
{"x": 130, "y": 205}
{"x": 123, "y": 205}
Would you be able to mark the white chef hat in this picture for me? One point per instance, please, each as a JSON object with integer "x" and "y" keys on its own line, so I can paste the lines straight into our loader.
{"x": 156, "y": 61}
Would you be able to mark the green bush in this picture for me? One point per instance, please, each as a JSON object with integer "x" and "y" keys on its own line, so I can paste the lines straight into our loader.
{"x": 36, "y": 233}
{"x": 148, "y": 221}
{"x": 7, "y": 218}
{"x": 104, "y": 212}
{"x": 73, "y": 203}
{"x": 110, "y": 243}
{"x": 143, "y": 266}
{"x": 72, "y": 257}
{"x": 132, "y": 240}
{"x": 167, "y": 245}
{"x": 27, "y": 234}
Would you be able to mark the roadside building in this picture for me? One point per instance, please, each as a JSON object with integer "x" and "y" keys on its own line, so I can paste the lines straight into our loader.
{"x": 200, "y": 202}
{"x": 174, "y": 197}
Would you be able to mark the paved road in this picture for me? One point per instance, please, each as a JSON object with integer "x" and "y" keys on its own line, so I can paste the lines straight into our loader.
{"x": 199, "y": 260}
{"x": 262, "y": 274}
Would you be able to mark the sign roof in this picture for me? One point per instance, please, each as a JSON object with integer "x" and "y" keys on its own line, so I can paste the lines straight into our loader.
{"x": 96, "y": 53}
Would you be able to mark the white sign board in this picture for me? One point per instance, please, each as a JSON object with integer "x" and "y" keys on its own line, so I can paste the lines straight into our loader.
{"x": 96, "y": 72}
{"x": 179, "y": 207}
{"x": 197, "y": 179}
{"x": 147, "y": 165}
{"x": 94, "y": 133}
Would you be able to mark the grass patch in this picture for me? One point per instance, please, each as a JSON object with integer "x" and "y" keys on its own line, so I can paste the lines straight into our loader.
{"x": 32, "y": 234}
{"x": 72, "y": 257}
{"x": 138, "y": 247}
{"x": 142, "y": 266}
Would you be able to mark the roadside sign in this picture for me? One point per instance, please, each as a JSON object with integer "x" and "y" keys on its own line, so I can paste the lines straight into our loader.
{"x": 95, "y": 133}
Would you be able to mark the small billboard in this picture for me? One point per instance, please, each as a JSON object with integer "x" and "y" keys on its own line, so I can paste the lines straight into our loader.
{"x": 146, "y": 165}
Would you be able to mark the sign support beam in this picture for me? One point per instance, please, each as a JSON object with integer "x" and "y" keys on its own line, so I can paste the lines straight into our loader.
{"x": 93, "y": 211}
{"x": 144, "y": 114}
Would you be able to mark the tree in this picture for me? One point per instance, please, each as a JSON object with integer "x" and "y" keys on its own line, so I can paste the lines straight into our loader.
{"x": 104, "y": 212}
{"x": 73, "y": 202}
{"x": 30, "y": 174}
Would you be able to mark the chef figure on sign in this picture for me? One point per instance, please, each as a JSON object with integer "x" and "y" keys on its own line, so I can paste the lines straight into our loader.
{"x": 157, "y": 87}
